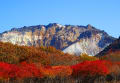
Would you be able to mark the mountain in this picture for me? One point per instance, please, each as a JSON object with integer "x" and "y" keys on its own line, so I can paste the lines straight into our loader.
{"x": 73, "y": 39}
{"x": 111, "y": 52}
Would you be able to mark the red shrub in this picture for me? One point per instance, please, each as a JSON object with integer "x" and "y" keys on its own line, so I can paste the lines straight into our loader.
{"x": 22, "y": 70}
{"x": 28, "y": 70}
{"x": 90, "y": 68}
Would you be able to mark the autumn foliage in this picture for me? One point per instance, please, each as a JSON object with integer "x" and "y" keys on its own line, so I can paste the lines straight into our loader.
{"x": 15, "y": 54}
{"x": 25, "y": 70}
{"x": 91, "y": 68}
{"x": 22, "y": 62}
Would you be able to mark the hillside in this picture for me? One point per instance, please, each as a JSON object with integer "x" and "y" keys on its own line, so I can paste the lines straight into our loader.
{"x": 15, "y": 54}
{"x": 111, "y": 52}
{"x": 71, "y": 39}
{"x": 44, "y": 55}
{"x": 28, "y": 64}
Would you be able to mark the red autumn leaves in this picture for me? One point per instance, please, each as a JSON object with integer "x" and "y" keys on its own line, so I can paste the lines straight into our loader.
{"x": 20, "y": 71}
{"x": 91, "y": 68}
{"x": 25, "y": 70}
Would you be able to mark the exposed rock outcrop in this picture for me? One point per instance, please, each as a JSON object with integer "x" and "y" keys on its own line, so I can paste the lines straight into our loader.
{"x": 69, "y": 38}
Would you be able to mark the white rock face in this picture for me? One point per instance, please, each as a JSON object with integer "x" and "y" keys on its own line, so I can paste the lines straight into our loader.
{"x": 19, "y": 38}
{"x": 89, "y": 46}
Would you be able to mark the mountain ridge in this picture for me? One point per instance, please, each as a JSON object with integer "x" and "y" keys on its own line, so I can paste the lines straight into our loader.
{"x": 59, "y": 36}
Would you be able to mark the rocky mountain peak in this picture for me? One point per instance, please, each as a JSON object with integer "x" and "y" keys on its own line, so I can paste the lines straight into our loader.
{"x": 89, "y": 26}
{"x": 60, "y": 36}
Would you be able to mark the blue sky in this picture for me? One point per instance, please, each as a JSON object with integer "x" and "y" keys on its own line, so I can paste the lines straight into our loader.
{"x": 103, "y": 14}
